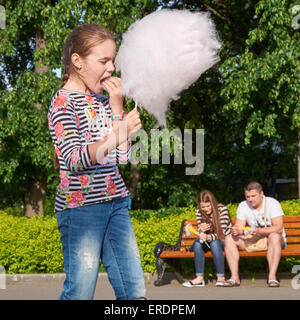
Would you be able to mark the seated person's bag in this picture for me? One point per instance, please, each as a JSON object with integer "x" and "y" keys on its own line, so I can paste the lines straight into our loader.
{"x": 257, "y": 242}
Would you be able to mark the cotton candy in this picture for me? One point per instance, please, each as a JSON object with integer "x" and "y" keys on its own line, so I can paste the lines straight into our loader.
{"x": 163, "y": 54}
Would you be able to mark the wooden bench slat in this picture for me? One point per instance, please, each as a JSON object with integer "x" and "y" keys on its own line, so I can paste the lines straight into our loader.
{"x": 291, "y": 225}
{"x": 292, "y": 232}
{"x": 293, "y": 239}
{"x": 291, "y": 218}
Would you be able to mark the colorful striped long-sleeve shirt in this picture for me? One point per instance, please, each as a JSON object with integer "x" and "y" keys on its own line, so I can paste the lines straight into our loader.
{"x": 76, "y": 120}
{"x": 224, "y": 218}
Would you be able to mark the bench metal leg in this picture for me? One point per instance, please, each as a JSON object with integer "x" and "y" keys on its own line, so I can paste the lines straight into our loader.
{"x": 175, "y": 264}
{"x": 160, "y": 267}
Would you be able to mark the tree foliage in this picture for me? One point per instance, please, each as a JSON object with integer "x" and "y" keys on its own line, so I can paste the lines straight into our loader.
{"x": 248, "y": 104}
{"x": 262, "y": 84}
{"x": 26, "y": 147}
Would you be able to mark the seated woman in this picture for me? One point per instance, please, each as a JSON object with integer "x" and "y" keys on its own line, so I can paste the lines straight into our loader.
{"x": 213, "y": 225}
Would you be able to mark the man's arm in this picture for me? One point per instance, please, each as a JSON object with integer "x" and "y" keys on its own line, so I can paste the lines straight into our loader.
{"x": 236, "y": 230}
{"x": 277, "y": 227}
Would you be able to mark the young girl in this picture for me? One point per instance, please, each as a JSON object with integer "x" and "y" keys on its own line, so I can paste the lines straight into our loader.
{"x": 213, "y": 225}
{"x": 90, "y": 136}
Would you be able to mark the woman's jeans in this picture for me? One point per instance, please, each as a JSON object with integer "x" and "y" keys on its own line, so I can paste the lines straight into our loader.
{"x": 216, "y": 247}
{"x": 100, "y": 231}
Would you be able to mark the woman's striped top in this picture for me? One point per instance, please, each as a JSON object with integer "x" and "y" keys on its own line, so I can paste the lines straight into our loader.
{"x": 76, "y": 120}
{"x": 224, "y": 218}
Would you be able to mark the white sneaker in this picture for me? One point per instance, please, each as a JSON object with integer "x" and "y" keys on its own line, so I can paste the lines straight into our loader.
{"x": 190, "y": 284}
{"x": 220, "y": 284}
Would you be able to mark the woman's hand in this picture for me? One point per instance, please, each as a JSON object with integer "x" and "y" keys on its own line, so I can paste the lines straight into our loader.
{"x": 204, "y": 227}
{"x": 113, "y": 86}
{"x": 203, "y": 236}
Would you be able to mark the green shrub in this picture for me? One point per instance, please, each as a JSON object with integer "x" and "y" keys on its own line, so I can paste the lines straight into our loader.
{"x": 32, "y": 245}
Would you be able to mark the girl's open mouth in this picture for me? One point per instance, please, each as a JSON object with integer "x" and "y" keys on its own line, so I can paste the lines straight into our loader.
{"x": 104, "y": 79}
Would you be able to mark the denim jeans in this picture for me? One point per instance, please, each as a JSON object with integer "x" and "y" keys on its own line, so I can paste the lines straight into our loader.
{"x": 100, "y": 231}
{"x": 216, "y": 247}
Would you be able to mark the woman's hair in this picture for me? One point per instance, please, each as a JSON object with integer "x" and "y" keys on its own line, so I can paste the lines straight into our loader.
{"x": 81, "y": 40}
{"x": 207, "y": 196}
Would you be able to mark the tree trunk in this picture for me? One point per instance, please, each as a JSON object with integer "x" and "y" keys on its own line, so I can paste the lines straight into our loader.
{"x": 134, "y": 179}
{"x": 36, "y": 196}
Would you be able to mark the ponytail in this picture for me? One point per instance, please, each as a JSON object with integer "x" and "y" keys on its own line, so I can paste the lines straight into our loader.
{"x": 55, "y": 160}
{"x": 65, "y": 79}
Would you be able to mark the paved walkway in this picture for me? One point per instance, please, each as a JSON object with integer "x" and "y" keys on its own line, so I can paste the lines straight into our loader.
{"x": 48, "y": 287}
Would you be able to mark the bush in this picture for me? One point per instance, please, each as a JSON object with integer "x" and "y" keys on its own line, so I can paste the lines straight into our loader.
{"x": 32, "y": 245}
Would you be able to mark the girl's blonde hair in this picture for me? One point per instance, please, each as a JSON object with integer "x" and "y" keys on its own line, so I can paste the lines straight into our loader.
{"x": 81, "y": 40}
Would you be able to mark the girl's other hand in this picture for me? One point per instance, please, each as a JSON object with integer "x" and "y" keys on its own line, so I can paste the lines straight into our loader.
{"x": 127, "y": 127}
{"x": 203, "y": 236}
{"x": 113, "y": 86}
{"x": 204, "y": 227}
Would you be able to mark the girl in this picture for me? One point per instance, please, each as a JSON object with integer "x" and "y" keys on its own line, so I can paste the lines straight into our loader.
{"x": 213, "y": 225}
{"x": 90, "y": 135}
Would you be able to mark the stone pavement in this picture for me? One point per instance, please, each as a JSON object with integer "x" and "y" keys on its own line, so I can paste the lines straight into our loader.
{"x": 49, "y": 286}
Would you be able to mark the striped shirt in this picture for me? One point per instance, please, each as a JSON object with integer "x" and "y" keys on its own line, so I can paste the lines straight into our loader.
{"x": 224, "y": 218}
{"x": 76, "y": 120}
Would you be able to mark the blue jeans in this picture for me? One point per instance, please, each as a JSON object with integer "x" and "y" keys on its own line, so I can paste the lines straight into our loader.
{"x": 216, "y": 247}
{"x": 100, "y": 231}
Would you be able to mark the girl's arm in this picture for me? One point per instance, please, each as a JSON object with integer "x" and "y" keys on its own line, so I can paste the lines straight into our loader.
{"x": 78, "y": 157}
{"x": 113, "y": 86}
{"x": 120, "y": 134}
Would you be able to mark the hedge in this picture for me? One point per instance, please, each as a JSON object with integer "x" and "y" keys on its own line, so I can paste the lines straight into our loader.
{"x": 32, "y": 245}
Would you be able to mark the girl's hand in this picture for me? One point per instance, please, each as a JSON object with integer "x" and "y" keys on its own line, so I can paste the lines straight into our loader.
{"x": 133, "y": 121}
{"x": 113, "y": 86}
{"x": 204, "y": 227}
{"x": 131, "y": 124}
{"x": 203, "y": 236}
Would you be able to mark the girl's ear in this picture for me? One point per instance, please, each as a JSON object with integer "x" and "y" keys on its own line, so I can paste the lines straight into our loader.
{"x": 76, "y": 60}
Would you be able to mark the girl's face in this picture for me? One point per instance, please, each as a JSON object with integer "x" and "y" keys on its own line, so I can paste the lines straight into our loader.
{"x": 206, "y": 207}
{"x": 98, "y": 65}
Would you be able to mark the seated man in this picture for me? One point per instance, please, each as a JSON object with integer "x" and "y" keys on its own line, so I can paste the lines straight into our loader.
{"x": 251, "y": 212}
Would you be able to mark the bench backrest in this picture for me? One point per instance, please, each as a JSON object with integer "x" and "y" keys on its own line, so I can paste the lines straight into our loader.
{"x": 291, "y": 226}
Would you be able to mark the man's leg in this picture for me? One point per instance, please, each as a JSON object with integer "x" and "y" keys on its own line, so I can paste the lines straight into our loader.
{"x": 232, "y": 246}
{"x": 275, "y": 242}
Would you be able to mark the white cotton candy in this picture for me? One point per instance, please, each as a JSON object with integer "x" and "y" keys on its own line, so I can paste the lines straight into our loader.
{"x": 163, "y": 54}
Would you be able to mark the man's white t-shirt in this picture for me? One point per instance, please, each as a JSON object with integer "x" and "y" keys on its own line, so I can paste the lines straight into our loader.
{"x": 255, "y": 218}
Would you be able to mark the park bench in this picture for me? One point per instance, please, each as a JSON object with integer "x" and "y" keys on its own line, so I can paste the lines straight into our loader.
{"x": 169, "y": 255}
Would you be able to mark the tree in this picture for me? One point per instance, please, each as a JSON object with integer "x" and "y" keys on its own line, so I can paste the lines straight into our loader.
{"x": 30, "y": 53}
{"x": 262, "y": 84}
